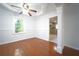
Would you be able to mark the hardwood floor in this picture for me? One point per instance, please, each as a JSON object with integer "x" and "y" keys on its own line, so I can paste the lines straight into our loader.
{"x": 34, "y": 47}
{"x": 70, "y": 52}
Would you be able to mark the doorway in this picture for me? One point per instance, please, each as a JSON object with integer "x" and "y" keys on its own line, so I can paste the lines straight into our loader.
{"x": 53, "y": 29}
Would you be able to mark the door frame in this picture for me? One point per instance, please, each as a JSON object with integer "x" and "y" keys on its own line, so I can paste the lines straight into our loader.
{"x": 60, "y": 42}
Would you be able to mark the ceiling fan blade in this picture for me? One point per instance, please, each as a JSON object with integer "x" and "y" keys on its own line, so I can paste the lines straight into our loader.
{"x": 15, "y": 6}
{"x": 32, "y": 10}
{"x": 29, "y": 14}
{"x": 21, "y": 12}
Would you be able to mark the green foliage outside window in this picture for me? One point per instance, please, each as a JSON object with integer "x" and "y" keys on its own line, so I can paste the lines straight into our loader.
{"x": 19, "y": 26}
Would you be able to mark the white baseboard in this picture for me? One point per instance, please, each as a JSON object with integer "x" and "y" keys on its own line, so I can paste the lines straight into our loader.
{"x": 10, "y": 41}
{"x": 19, "y": 40}
{"x": 71, "y": 46}
{"x": 53, "y": 41}
{"x": 14, "y": 41}
{"x": 42, "y": 38}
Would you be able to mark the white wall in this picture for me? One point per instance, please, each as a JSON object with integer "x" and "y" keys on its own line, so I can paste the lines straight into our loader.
{"x": 7, "y": 20}
{"x": 42, "y": 25}
{"x": 71, "y": 25}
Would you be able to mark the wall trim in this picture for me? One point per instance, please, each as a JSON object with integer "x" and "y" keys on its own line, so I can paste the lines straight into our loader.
{"x": 41, "y": 39}
{"x": 15, "y": 41}
{"x": 76, "y": 48}
{"x": 21, "y": 40}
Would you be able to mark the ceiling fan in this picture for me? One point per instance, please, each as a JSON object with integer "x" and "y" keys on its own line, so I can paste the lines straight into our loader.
{"x": 26, "y": 7}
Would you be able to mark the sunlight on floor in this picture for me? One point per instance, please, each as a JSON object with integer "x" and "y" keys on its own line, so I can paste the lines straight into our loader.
{"x": 18, "y": 52}
{"x": 55, "y": 48}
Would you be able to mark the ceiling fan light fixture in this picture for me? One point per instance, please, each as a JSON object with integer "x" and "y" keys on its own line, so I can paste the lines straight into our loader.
{"x": 25, "y": 6}
{"x": 30, "y": 9}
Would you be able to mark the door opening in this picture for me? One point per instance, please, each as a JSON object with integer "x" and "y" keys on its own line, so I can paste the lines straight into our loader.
{"x": 53, "y": 29}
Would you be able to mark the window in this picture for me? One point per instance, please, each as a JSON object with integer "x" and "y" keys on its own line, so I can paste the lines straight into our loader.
{"x": 19, "y": 27}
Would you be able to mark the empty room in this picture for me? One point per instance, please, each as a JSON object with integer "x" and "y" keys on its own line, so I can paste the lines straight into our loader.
{"x": 39, "y": 29}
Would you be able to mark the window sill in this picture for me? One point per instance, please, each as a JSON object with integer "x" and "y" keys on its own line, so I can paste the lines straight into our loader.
{"x": 19, "y": 33}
